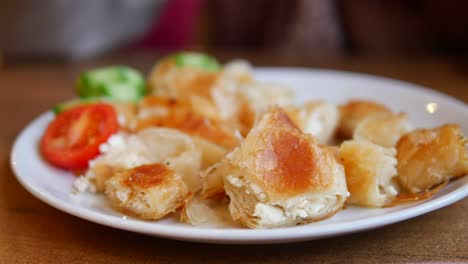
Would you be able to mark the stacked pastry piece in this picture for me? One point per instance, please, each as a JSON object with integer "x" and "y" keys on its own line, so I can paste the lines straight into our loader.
{"x": 279, "y": 176}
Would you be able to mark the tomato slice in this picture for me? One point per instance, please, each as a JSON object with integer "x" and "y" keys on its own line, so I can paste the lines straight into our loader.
{"x": 74, "y": 136}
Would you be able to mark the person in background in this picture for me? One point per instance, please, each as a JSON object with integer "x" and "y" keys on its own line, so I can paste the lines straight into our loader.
{"x": 72, "y": 29}
{"x": 337, "y": 27}
{"x": 299, "y": 26}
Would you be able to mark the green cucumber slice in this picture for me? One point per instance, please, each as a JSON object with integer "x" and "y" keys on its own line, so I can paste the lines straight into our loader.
{"x": 196, "y": 60}
{"x": 116, "y": 82}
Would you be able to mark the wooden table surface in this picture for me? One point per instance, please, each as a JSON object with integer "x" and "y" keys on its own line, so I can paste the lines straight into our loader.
{"x": 33, "y": 232}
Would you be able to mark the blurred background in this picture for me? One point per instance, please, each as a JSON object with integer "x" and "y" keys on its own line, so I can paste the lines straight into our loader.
{"x": 73, "y": 30}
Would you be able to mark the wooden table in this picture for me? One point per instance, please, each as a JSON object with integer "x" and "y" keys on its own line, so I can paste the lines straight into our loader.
{"x": 33, "y": 232}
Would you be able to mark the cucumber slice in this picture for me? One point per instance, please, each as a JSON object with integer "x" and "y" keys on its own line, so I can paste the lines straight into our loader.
{"x": 116, "y": 82}
{"x": 120, "y": 92}
{"x": 196, "y": 60}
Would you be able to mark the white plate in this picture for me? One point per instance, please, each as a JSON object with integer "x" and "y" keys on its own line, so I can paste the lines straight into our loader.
{"x": 53, "y": 186}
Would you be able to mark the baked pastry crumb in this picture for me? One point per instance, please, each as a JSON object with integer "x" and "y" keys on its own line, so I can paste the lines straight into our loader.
{"x": 428, "y": 157}
{"x": 383, "y": 129}
{"x": 370, "y": 172}
{"x": 149, "y": 191}
{"x": 355, "y": 111}
{"x": 282, "y": 177}
{"x": 318, "y": 118}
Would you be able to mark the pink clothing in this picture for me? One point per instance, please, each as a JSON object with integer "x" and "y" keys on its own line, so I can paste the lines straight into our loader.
{"x": 173, "y": 29}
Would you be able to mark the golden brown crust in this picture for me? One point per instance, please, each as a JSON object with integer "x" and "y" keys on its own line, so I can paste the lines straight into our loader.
{"x": 200, "y": 84}
{"x": 180, "y": 114}
{"x": 383, "y": 129}
{"x": 284, "y": 161}
{"x": 279, "y": 176}
{"x": 148, "y": 191}
{"x": 168, "y": 79}
{"x": 428, "y": 157}
{"x": 280, "y": 118}
{"x": 230, "y": 95}
{"x": 370, "y": 170}
{"x": 318, "y": 118}
{"x": 294, "y": 163}
{"x": 147, "y": 176}
{"x": 153, "y": 145}
{"x": 245, "y": 117}
{"x": 353, "y": 112}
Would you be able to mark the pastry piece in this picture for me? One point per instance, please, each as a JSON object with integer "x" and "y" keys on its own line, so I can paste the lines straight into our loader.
{"x": 148, "y": 191}
{"x": 238, "y": 70}
{"x": 215, "y": 90}
{"x": 256, "y": 97}
{"x": 153, "y": 145}
{"x": 279, "y": 176}
{"x": 229, "y": 94}
{"x": 213, "y": 179}
{"x": 209, "y": 89}
{"x": 162, "y": 111}
{"x": 383, "y": 129}
{"x": 211, "y": 153}
{"x": 241, "y": 99}
{"x": 186, "y": 83}
{"x": 353, "y": 112}
{"x": 206, "y": 212}
{"x": 168, "y": 79}
{"x": 318, "y": 118}
{"x": 260, "y": 95}
{"x": 370, "y": 172}
{"x": 429, "y": 157}
{"x": 214, "y": 138}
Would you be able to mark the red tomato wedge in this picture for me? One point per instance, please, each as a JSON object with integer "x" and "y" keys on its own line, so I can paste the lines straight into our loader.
{"x": 74, "y": 136}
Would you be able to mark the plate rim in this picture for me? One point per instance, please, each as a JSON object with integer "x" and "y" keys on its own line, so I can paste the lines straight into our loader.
{"x": 246, "y": 236}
